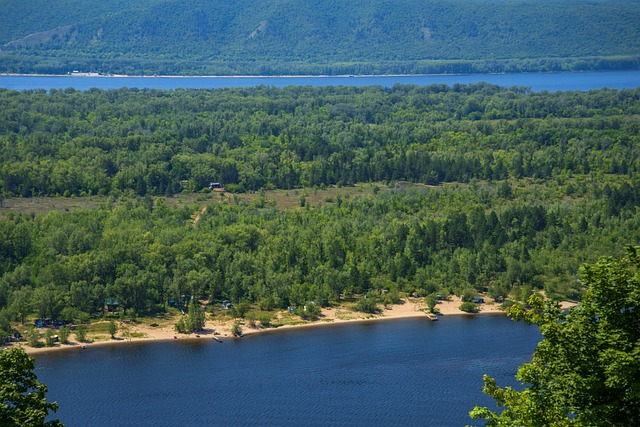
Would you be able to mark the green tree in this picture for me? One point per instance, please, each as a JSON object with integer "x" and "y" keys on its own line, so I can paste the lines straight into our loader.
{"x": 310, "y": 311}
{"x": 367, "y": 304}
{"x": 23, "y": 401}
{"x": 20, "y": 303}
{"x": 33, "y": 337}
{"x": 586, "y": 369}
{"x": 113, "y": 329}
{"x": 432, "y": 301}
{"x": 196, "y": 317}
{"x": 63, "y": 334}
{"x": 193, "y": 321}
{"x": 48, "y": 338}
{"x": 81, "y": 333}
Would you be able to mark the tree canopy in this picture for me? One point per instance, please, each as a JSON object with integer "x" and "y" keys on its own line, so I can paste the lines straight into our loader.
{"x": 22, "y": 396}
{"x": 328, "y": 192}
{"x": 586, "y": 369}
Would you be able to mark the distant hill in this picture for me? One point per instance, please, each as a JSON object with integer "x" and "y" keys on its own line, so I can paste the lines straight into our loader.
{"x": 317, "y": 36}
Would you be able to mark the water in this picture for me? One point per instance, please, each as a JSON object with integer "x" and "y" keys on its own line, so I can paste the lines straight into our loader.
{"x": 536, "y": 81}
{"x": 409, "y": 372}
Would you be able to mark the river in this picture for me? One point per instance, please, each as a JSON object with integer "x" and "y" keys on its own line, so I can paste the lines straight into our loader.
{"x": 396, "y": 372}
{"x": 536, "y": 81}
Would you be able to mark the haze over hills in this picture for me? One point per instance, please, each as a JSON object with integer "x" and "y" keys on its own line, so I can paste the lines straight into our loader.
{"x": 317, "y": 36}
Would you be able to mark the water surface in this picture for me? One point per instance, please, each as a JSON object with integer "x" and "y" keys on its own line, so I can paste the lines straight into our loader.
{"x": 536, "y": 81}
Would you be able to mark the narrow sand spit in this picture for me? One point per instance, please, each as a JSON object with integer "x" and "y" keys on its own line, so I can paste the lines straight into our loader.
{"x": 221, "y": 330}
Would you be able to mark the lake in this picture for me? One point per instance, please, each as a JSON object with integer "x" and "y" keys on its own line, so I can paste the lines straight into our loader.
{"x": 396, "y": 372}
{"x": 536, "y": 81}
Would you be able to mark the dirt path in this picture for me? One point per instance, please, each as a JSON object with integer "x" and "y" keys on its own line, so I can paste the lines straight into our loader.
{"x": 197, "y": 218}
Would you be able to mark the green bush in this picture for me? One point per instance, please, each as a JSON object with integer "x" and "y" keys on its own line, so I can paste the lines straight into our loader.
{"x": 310, "y": 311}
{"x": 468, "y": 307}
{"x": 367, "y": 304}
{"x": 33, "y": 337}
{"x": 63, "y": 334}
{"x": 236, "y": 330}
{"x": 81, "y": 333}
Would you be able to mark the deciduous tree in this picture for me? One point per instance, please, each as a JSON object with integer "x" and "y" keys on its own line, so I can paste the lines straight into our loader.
{"x": 586, "y": 369}
{"x": 22, "y": 396}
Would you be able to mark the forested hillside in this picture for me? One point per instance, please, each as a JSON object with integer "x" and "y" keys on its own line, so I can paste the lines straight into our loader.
{"x": 317, "y": 36}
{"x": 522, "y": 189}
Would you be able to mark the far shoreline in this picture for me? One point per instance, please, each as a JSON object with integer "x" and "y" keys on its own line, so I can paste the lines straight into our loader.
{"x": 297, "y": 76}
{"x": 243, "y": 76}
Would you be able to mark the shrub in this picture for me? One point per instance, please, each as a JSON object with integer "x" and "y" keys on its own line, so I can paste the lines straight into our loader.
{"x": 236, "y": 330}
{"x": 63, "y": 334}
{"x": 265, "y": 320}
{"x": 469, "y": 307}
{"x": 310, "y": 311}
{"x": 81, "y": 333}
{"x": 367, "y": 304}
{"x": 33, "y": 337}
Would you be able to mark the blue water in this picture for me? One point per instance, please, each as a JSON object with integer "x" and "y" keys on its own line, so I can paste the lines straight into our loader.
{"x": 409, "y": 372}
{"x": 536, "y": 81}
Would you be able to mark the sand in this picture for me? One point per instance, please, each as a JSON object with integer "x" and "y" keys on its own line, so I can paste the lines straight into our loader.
{"x": 220, "y": 330}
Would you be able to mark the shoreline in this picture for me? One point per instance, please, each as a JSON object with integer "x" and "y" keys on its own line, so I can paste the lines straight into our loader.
{"x": 292, "y": 76}
{"x": 221, "y": 330}
{"x": 243, "y": 76}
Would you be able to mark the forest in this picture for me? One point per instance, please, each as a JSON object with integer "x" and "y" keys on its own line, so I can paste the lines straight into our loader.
{"x": 425, "y": 190}
{"x": 276, "y": 37}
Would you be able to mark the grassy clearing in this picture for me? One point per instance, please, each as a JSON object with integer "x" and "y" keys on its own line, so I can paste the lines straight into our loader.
{"x": 280, "y": 199}
{"x": 546, "y": 192}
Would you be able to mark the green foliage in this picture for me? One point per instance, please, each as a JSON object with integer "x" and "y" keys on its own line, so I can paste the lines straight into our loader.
{"x": 194, "y": 320}
{"x": 48, "y": 338}
{"x": 468, "y": 307}
{"x": 310, "y": 311}
{"x": 240, "y": 309}
{"x": 112, "y": 328}
{"x": 265, "y": 320}
{"x": 22, "y": 396}
{"x": 81, "y": 333}
{"x": 570, "y": 159}
{"x": 33, "y": 337}
{"x": 367, "y": 304}
{"x": 317, "y": 37}
{"x": 251, "y": 138}
{"x": 432, "y": 301}
{"x": 586, "y": 369}
{"x": 63, "y": 334}
{"x": 236, "y": 330}
{"x": 467, "y": 295}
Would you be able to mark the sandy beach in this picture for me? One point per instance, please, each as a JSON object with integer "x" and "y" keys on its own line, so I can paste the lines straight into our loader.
{"x": 220, "y": 330}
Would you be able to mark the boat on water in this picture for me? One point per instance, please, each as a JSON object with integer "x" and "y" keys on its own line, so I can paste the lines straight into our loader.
{"x": 432, "y": 316}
